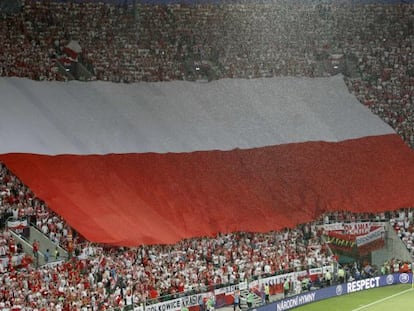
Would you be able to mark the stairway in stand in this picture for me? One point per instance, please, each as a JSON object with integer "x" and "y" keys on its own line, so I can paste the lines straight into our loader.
{"x": 243, "y": 300}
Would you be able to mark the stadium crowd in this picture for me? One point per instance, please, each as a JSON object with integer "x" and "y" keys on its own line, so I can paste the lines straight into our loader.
{"x": 371, "y": 45}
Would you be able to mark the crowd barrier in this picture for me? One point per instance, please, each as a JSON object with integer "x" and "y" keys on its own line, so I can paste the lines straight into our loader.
{"x": 338, "y": 290}
{"x": 223, "y": 296}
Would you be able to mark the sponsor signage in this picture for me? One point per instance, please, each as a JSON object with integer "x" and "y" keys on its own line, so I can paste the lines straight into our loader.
{"x": 338, "y": 290}
{"x": 363, "y": 284}
{"x": 296, "y": 301}
{"x": 293, "y": 301}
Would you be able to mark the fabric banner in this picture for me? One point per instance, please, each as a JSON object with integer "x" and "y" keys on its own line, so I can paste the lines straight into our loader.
{"x": 155, "y": 163}
{"x": 178, "y": 304}
{"x": 357, "y": 228}
{"x": 353, "y": 228}
{"x": 321, "y": 270}
{"x": 17, "y": 224}
{"x": 342, "y": 241}
{"x": 338, "y": 226}
{"x": 370, "y": 236}
{"x": 356, "y": 237}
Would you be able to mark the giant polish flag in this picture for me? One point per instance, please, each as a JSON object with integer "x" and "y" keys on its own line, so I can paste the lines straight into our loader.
{"x": 149, "y": 163}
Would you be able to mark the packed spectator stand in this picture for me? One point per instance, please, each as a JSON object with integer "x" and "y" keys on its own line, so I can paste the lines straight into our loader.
{"x": 371, "y": 45}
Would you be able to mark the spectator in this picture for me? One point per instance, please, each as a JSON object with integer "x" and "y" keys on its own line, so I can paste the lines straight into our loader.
{"x": 286, "y": 287}
{"x": 47, "y": 255}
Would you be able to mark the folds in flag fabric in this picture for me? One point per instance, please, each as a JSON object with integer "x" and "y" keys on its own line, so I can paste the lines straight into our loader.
{"x": 151, "y": 163}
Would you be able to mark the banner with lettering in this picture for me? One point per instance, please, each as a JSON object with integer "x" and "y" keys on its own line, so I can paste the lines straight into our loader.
{"x": 358, "y": 228}
{"x": 370, "y": 237}
{"x": 354, "y": 228}
{"x": 320, "y": 270}
{"x": 339, "y": 242}
{"x": 279, "y": 279}
{"x": 178, "y": 304}
{"x": 355, "y": 238}
{"x": 371, "y": 241}
{"x": 337, "y": 226}
{"x": 337, "y": 290}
